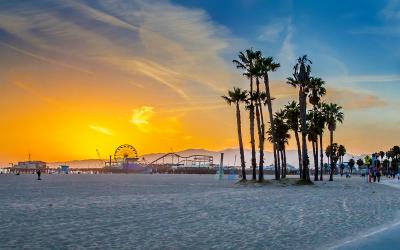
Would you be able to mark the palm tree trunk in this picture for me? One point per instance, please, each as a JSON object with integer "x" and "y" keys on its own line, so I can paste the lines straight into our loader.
{"x": 239, "y": 128}
{"x": 252, "y": 140}
{"x": 271, "y": 120}
{"x": 296, "y": 134}
{"x": 260, "y": 125}
{"x": 322, "y": 158}
{"x": 316, "y": 160}
{"x": 259, "y": 137}
{"x": 313, "y": 150}
{"x": 303, "y": 111}
{"x": 279, "y": 164}
{"x": 284, "y": 160}
{"x": 282, "y": 163}
{"x": 331, "y": 156}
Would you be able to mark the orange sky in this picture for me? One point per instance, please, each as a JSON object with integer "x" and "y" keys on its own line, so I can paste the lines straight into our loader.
{"x": 72, "y": 90}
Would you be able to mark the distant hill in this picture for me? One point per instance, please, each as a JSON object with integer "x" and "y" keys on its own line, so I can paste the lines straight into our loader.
{"x": 229, "y": 158}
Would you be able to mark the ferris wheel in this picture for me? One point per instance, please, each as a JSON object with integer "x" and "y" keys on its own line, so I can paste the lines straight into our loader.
{"x": 124, "y": 152}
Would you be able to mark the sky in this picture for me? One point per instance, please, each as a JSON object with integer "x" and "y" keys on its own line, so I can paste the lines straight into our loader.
{"x": 80, "y": 76}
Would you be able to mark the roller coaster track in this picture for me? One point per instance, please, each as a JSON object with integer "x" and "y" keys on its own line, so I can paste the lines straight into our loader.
{"x": 182, "y": 159}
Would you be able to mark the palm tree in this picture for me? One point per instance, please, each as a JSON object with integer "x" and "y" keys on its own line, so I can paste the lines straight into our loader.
{"x": 259, "y": 99}
{"x": 292, "y": 115}
{"x": 334, "y": 155}
{"x": 328, "y": 154}
{"x": 316, "y": 92}
{"x": 333, "y": 116}
{"x": 396, "y": 154}
{"x": 301, "y": 78}
{"x": 313, "y": 132}
{"x": 317, "y": 124}
{"x": 246, "y": 62}
{"x": 282, "y": 138}
{"x": 267, "y": 65}
{"x": 342, "y": 153}
{"x": 351, "y": 165}
{"x": 238, "y": 96}
{"x": 321, "y": 125}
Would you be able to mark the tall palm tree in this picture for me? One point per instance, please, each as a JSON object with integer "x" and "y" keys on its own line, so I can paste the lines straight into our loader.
{"x": 238, "y": 96}
{"x": 246, "y": 62}
{"x": 259, "y": 99}
{"x": 316, "y": 91}
{"x": 267, "y": 65}
{"x": 333, "y": 116}
{"x": 292, "y": 115}
{"x": 301, "y": 79}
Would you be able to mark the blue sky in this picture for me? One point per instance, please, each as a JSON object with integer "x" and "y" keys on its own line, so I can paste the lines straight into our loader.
{"x": 360, "y": 34}
{"x": 162, "y": 66}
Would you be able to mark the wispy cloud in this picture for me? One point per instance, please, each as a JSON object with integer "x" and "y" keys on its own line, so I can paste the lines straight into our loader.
{"x": 142, "y": 115}
{"x": 272, "y": 31}
{"x": 45, "y": 59}
{"x": 152, "y": 70}
{"x": 349, "y": 98}
{"x": 147, "y": 120}
{"x": 30, "y": 89}
{"x": 354, "y": 100}
{"x": 137, "y": 37}
{"x": 286, "y": 55}
{"x": 365, "y": 78}
{"x": 101, "y": 130}
{"x": 391, "y": 10}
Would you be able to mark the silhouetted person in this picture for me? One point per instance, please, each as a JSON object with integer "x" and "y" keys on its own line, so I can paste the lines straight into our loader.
{"x": 38, "y": 174}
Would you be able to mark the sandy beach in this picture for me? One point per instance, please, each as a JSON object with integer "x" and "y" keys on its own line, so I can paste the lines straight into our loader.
{"x": 188, "y": 211}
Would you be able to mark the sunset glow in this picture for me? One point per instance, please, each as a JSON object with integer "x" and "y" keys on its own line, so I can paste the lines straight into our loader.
{"x": 76, "y": 76}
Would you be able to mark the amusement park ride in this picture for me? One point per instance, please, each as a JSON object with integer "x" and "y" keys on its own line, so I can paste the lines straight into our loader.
{"x": 126, "y": 157}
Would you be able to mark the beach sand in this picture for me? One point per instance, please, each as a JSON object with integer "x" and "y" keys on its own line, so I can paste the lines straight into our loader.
{"x": 188, "y": 211}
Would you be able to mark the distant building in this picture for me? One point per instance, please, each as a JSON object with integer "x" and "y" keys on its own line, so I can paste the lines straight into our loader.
{"x": 30, "y": 165}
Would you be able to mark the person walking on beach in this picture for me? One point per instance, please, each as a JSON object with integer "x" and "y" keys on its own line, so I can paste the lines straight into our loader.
{"x": 38, "y": 174}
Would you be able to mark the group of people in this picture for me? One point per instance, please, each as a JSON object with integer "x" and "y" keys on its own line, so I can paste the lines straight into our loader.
{"x": 374, "y": 174}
